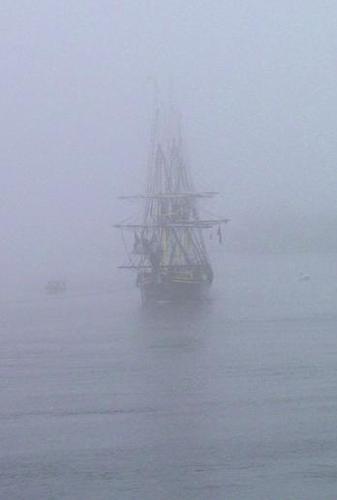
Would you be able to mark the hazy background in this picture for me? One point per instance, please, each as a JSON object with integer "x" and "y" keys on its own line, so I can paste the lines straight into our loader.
{"x": 231, "y": 397}
{"x": 257, "y": 85}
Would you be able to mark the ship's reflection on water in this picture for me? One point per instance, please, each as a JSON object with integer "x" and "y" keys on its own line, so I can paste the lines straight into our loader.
{"x": 174, "y": 345}
{"x": 181, "y": 320}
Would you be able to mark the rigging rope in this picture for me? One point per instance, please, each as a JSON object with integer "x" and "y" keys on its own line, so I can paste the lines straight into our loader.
{"x": 126, "y": 249}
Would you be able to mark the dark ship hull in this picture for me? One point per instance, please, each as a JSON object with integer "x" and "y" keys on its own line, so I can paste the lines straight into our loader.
{"x": 174, "y": 287}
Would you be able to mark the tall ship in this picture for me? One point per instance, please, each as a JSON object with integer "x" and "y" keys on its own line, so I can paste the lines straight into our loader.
{"x": 169, "y": 253}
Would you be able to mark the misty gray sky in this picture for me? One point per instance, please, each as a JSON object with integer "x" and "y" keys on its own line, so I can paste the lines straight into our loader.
{"x": 256, "y": 82}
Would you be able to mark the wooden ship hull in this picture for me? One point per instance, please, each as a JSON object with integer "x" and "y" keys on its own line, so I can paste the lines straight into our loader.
{"x": 190, "y": 284}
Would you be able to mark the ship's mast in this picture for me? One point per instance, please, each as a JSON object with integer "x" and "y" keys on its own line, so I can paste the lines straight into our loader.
{"x": 171, "y": 227}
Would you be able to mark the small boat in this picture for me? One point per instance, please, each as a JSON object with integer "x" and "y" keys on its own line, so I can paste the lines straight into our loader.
{"x": 54, "y": 287}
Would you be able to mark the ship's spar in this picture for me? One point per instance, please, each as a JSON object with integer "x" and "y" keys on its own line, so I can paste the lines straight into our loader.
{"x": 172, "y": 260}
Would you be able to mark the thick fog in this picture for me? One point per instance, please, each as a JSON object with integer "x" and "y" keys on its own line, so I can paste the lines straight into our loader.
{"x": 229, "y": 397}
{"x": 256, "y": 83}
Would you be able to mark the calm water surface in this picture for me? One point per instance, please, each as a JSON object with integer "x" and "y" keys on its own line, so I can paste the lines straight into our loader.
{"x": 234, "y": 398}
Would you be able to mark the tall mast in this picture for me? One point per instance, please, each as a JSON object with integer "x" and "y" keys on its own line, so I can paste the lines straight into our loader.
{"x": 170, "y": 235}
